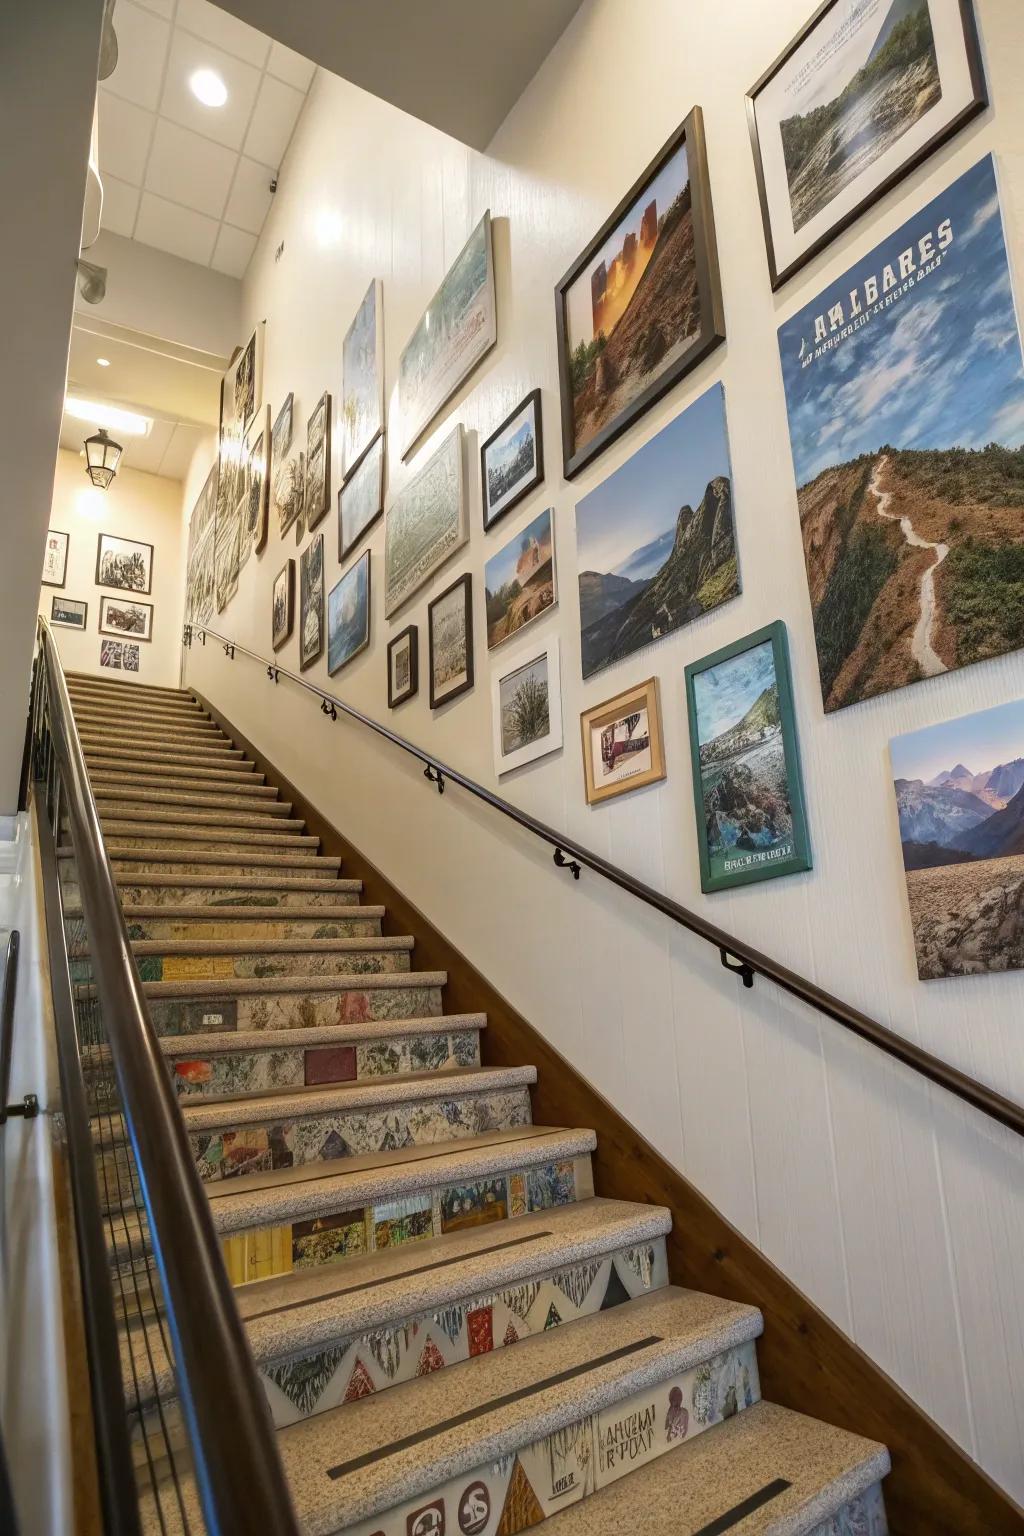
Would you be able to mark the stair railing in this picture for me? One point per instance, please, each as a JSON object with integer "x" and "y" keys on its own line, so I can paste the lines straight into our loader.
{"x": 737, "y": 956}
{"x": 129, "y": 1158}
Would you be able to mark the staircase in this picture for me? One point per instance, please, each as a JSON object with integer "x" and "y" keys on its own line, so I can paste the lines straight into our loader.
{"x": 454, "y": 1333}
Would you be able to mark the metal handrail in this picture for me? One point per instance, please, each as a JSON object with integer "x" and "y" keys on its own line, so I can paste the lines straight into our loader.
{"x": 736, "y": 955}
{"x": 239, "y": 1476}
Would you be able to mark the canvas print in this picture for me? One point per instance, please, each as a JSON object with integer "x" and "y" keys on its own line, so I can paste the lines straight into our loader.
{"x": 282, "y": 619}
{"x": 255, "y": 505}
{"x": 68, "y": 612}
{"x": 450, "y": 639}
{"x": 289, "y": 489}
{"x": 226, "y": 557}
{"x": 200, "y": 573}
{"x": 283, "y": 430}
{"x": 403, "y": 666}
{"x": 318, "y": 463}
{"x": 512, "y": 460}
{"x": 866, "y": 91}
{"x": 642, "y": 305}
{"x": 123, "y": 616}
{"x": 623, "y": 746}
{"x": 124, "y": 563}
{"x": 426, "y": 523}
{"x": 747, "y": 789}
{"x": 112, "y": 654}
{"x": 655, "y": 542}
{"x": 519, "y": 581}
{"x": 362, "y": 379}
{"x": 348, "y": 615}
{"x": 241, "y": 393}
{"x": 55, "y": 558}
{"x": 526, "y": 707}
{"x": 457, "y": 328}
{"x": 361, "y": 499}
{"x": 960, "y": 800}
{"x": 311, "y": 602}
{"x": 905, "y": 393}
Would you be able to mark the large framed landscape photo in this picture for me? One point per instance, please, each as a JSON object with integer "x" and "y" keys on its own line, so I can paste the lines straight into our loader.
{"x": 200, "y": 573}
{"x": 361, "y": 499}
{"x": 348, "y": 615}
{"x": 642, "y": 305}
{"x": 241, "y": 393}
{"x": 126, "y": 564}
{"x": 904, "y": 384}
{"x": 520, "y": 583}
{"x": 860, "y": 97}
{"x": 512, "y": 460}
{"x": 425, "y": 523}
{"x": 362, "y": 379}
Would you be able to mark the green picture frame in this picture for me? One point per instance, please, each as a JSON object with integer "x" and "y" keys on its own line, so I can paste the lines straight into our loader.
{"x": 752, "y": 707}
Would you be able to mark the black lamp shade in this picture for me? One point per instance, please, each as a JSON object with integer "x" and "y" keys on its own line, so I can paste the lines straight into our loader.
{"x": 102, "y": 456}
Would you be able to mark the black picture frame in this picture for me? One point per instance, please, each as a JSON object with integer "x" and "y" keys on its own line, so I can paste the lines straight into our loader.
{"x": 120, "y": 634}
{"x": 288, "y": 572}
{"x": 333, "y": 667}
{"x": 57, "y": 533}
{"x": 979, "y": 102}
{"x": 305, "y": 560}
{"x": 111, "y": 586}
{"x": 711, "y": 332}
{"x": 314, "y": 514}
{"x": 77, "y": 602}
{"x": 534, "y": 399}
{"x": 466, "y": 583}
{"x": 279, "y": 444}
{"x": 410, "y": 633}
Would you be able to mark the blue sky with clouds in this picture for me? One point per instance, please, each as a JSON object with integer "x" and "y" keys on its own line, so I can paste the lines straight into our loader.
{"x": 939, "y": 368}
{"x": 981, "y": 741}
{"x": 723, "y": 694}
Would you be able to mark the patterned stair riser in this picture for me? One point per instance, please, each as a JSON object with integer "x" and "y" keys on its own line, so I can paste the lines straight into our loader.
{"x": 136, "y": 895}
{"x": 358, "y": 962}
{"x": 862, "y": 1516}
{"x": 160, "y": 838}
{"x": 296, "y": 866}
{"x": 327, "y": 1377}
{"x": 293, "y": 1010}
{"x": 542, "y": 1479}
{"x": 204, "y": 927}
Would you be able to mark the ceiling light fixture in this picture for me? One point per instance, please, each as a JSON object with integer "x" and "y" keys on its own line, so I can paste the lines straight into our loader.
{"x": 102, "y": 456}
{"x": 104, "y": 362}
{"x": 109, "y": 416}
{"x": 208, "y": 87}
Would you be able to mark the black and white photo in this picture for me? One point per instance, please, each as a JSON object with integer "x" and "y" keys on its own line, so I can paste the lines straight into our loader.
{"x": 126, "y": 564}
{"x": 126, "y": 617}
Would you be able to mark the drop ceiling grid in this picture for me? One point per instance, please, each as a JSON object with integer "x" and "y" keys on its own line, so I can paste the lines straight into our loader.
{"x": 211, "y": 238}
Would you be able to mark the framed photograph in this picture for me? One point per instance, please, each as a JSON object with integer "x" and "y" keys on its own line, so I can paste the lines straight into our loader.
{"x": 519, "y": 581}
{"x": 526, "y": 707}
{"x": 450, "y": 641}
{"x": 130, "y": 658}
{"x": 425, "y": 523}
{"x": 747, "y": 790}
{"x": 289, "y": 489}
{"x": 282, "y": 620}
{"x": 362, "y": 379}
{"x": 200, "y": 567}
{"x": 68, "y": 612}
{"x": 655, "y": 542}
{"x": 282, "y": 432}
{"x": 361, "y": 499}
{"x": 512, "y": 460}
{"x": 623, "y": 746}
{"x": 457, "y": 329}
{"x": 348, "y": 615}
{"x": 124, "y": 563}
{"x": 241, "y": 394}
{"x": 227, "y": 555}
{"x": 112, "y": 654}
{"x": 859, "y": 98}
{"x": 909, "y": 497}
{"x": 623, "y": 342}
{"x": 257, "y": 489}
{"x": 959, "y": 831}
{"x": 318, "y": 463}
{"x": 125, "y": 617}
{"x": 311, "y": 602}
{"x": 403, "y": 666}
{"x": 55, "y": 558}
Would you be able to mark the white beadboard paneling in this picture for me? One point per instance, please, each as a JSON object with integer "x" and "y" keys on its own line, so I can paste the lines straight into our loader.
{"x": 899, "y": 1214}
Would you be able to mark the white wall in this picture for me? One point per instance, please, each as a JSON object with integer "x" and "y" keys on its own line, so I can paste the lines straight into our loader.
{"x": 136, "y": 506}
{"x": 161, "y": 295}
{"x": 898, "y": 1212}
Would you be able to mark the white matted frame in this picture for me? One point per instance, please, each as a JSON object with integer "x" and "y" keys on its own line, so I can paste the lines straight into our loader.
{"x": 517, "y": 664}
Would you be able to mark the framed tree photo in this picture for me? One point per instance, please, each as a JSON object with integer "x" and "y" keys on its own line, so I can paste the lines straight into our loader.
{"x": 623, "y": 745}
{"x": 526, "y": 707}
{"x": 125, "y": 617}
{"x": 318, "y": 463}
{"x": 125, "y": 564}
{"x": 859, "y": 98}
{"x": 450, "y": 640}
{"x": 282, "y": 620}
{"x": 747, "y": 791}
{"x": 403, "y": 666}
{"x": 512, "y": 460}
{"x": 55, "y": 558}
{"x": 311, "y": 602}
{"x": 642, "y": 305}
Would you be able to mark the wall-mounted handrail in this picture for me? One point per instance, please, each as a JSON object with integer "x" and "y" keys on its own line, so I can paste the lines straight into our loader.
{"x": 736, "y": 955}
{"x": 239, "y": 1476}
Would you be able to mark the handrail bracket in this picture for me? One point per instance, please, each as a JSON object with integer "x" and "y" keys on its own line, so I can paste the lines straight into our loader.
{"x": 738, "y": 967}
{"x": 28, "y": 1109}
{"x": 564, "y": 863}
{"x": 435, "y": 777}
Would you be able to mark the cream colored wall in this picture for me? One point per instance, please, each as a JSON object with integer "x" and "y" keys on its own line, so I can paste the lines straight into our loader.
{"x": 136, "y": 506}
{"x": 897, "y": 1211}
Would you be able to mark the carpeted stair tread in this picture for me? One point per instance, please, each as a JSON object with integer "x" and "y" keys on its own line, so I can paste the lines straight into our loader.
{"x": 243, "y": 862}
{"x": 121, "y": 685}
{"x": 225, "y": 885}
{"x": 127, "y": 804}
{"x": 235, "y": 780}
{"x": 111, "y": 722}
{"x": 237, "y": 923}
{"x": 230, "y": 1040}
{"x": 200, "y": 832}
{"x": 244, "y": 787}
{"x": 169, "y": 752}
{"x": 262, "y": 986}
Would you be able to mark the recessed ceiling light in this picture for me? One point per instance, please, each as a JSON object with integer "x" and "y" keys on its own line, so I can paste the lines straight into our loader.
{"x": 104, "y": 362}
{"x": 111, "y": 416}
{"x": 208, "y": 87}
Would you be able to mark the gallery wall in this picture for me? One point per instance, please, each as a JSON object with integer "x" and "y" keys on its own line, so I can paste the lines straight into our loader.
{"x": 897, "y": 1211}
{"x": 137, "y": 506}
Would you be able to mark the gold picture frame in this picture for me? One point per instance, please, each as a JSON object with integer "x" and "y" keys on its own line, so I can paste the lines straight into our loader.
{"x": 632, "y": 759}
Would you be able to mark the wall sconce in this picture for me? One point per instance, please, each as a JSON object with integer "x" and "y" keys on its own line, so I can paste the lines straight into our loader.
{"x": 102, "y": 457}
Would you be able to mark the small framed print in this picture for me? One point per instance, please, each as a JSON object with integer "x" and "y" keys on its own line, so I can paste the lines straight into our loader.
{"x": 68, "y": 612}
{"x": 450, "y": 642}
{"x": 112, "y": 654}
{"x": 512, "y": 460}
{"x": 126, "y": 617}
{"x": 282, "y": 620}
{"x": 125, "y": 564}
{"x": 311, "y": 602}
{"x": 747, "y": 791}
{"x": 282, "y": 432}
{"x": 55, "y": 558}
{"x": 403, "y": 666}
{"x": 519, "y": 581}
{"x": 623, "y": 746}
{"x": 348, "y": 615}
{"x": 130, "y": 658}
{"x": 361, "y": 499}
{"x": 318, "y": 463}
{"x": 257, "y": 504}
{"x": 526, "y": 707}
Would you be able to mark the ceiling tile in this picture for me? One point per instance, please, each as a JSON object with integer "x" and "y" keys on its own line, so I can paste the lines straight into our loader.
{"x": 172, "y": 228}
{"x": 120, "y": 205}
{"x": 249, "y": 202}
{"x": 290, "y": 67}
{"x": 125, "y": 132}
{"x": 216, "y": 26}
{"x": 141, "y": 49}
{"x": 277, "y": 109}
{"x": 189, "y": 169}
{"x": 234, "y": 249}
{"x": 227, "y": 124}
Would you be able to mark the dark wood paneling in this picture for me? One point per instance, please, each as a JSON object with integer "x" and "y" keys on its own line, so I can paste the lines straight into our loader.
{"x": 806, "y": 1362}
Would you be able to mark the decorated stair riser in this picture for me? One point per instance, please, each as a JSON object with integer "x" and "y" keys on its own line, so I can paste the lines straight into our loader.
{"x": 161, "y": 837}
{"x": 351, "y": 1368}
{"x": 188, "y": 816}
{"x": 236, "y": 779}
{"x": 544, "y": 1478}
{"x": 239, "y": 867}
{"x": 862, "y": 1516}
{"x": 188, "y": 753}
{"x": 248, "y": 789}
{"x": 293, "y": 1010}
{"x": 204, "y": 926}
{"x": 193, "y": 733}
{"x": 356, "y": 962}
{"x": 313, "y": 893}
